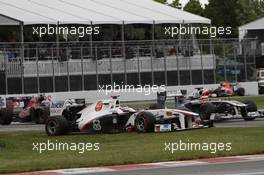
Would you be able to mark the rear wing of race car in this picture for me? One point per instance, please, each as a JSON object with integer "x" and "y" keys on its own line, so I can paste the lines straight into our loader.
{"x": 178, "y": 96}
{"x": 57, "y": 108}
{"x": 80, "y": 101}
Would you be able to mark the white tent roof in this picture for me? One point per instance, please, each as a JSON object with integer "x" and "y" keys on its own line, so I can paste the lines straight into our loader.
{"x": 255, "y": 25}
{"x": 12, "y": 12}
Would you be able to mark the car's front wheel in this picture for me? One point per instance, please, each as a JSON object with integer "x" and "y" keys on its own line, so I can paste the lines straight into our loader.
{"x": 145, "y": 122}
{"x": 56, "y": 125}
{"x": 5, "y": 117}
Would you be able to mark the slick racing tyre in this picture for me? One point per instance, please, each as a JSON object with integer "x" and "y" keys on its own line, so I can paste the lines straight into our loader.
{"x": 5, "y": 117}
{"x": 251, "y": 107}
{"x": 240, "y": 92}
{"x": 41, "y": 115}
{"x": 155, "y": 106}
{"x": 206, "y": 110}
{"x": 182, "y": 108}
{"x": 145, "y": 122}
{"x": 56, "y": 126}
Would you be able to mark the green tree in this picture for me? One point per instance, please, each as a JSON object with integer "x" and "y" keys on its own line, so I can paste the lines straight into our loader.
{"x": 162, "y": 1}
{"x": 249, "y": 10}
{"x": 234, "y": 13}
{"x": 176, "y": 4}
{"x": 194, "y": 6}
{"x": 223, "y": 14}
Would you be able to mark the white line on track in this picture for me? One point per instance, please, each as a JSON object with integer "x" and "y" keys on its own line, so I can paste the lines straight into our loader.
{"x": 255, "y": 173}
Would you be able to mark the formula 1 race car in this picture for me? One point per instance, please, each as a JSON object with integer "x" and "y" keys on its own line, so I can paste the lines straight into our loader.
{"x": 106, "y": 116}
{"x": 34, "y": 109}
{"x": 23, "y": 109}
{"x": 224, "y": 90}
{"x": 229, "y": 89}
{"x": 214, "y": 109}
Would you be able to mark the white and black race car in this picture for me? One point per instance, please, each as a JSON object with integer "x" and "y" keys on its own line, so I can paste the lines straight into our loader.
{"x": 213, "y": 109}
{"x": 109, "y": 116}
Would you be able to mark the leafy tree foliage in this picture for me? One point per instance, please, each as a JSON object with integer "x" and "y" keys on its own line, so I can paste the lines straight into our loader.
{"x": 233, "y": 13}
{"x": 162, "y": 1}
{"x": 194, "y": 6}
{"x": 176, "y": 4}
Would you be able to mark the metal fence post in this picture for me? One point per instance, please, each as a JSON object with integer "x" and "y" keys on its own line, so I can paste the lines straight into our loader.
{"x": 165, "y": 66}
{"x": 151, "y": 65}
{"x": 6, "y": 66}
{"x": 190, "y": 63}
{"x": 245, "y": 62}
{"x": 22, "y": 56}
{"x": 82, "y": 68}
{"x": 111, "y": 65}
{"x": 152, "y": 53}
{"x": 235, "y": 58}
{"x": 53, "y": 71}
{"x": 38, "y": 83}
{"x": 138, "y": 65}
{"x": 178, "y": 67}
{"x": 68, "y": 69}
{"x": 96, "y": 68}
{"x": 124, "y": 50}
{"x": 214, "y": 63}
{"x": 202, "y": 64}
{"x": 224, "y": 55}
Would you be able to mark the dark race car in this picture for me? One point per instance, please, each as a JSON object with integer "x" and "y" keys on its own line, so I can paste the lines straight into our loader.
{"x": 213, "y": 109}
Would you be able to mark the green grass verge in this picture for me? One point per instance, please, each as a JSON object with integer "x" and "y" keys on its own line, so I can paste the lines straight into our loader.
{"x": 16, "y": 154}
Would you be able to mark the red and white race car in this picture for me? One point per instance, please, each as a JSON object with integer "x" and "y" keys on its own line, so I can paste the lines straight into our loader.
{"x": 23, "y": 109}
{"x": 106, "y": 116}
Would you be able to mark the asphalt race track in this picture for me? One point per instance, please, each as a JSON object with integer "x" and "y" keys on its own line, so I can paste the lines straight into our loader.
{"x": 241, "y": 168}
{"x": 21, "y": 127}
{"x": 236, "y": 165}
{"x": 223, "y": 124}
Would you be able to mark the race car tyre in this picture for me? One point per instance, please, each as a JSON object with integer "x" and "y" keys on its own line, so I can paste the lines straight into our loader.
{"x": 5, "y": 117}
{"x": 251, "y": 107}
{"x": 240, "y": 92}
{"x": 145, "y": 122}
{"x": 41, "y": 115}
{"x": 183, "y": 108}
{"x": 155, "y": 106}
{"x": 206, "y": 110}
{"x": 219, "y": 93}
{"x": 56, "y": 126}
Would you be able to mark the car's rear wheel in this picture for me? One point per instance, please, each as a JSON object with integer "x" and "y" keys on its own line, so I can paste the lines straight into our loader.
{"x": 5, "y": 117}
{"x": 206, "y": 110}
{"x": 156, "y": 106}
{"x": 56, "y": 125}
{"x": 251, "y": 107}
{"x": 145, "y": 122}
{"x": 182, "y": 108}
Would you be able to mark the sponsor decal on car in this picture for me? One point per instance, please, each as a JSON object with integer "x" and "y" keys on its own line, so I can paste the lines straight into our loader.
{"x": 56, "y": 108}
{"x": 163, "y": 128}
